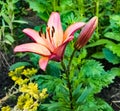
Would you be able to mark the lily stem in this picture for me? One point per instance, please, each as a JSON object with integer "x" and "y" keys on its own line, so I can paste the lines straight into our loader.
{"x": 63, "y": 65}
{"x": 68, "y": 79}
{"x": 71, "y": 58}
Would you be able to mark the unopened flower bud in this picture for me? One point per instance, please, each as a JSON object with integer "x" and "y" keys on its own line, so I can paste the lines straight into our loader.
{"x": 86, "y": 33}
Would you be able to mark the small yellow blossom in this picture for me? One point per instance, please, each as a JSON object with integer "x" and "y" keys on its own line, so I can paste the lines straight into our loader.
{"x": 11, "y": 73}
{"x": 6, "y": 108}
{"x": 25, "y": 102}
{"x": 21, "y": 81}
{"x": 22, "y": 100}
{"x": 34, "y": 107}
{"x": 43, "y": 94}
{"x": 32, "y": 89}
{"x": 14, "y": 78}
{"x": 29, "y": 72}
{"x": 44, "y": 90}
{"x": 17, "y": 72}
{"x": 28, "y": 104}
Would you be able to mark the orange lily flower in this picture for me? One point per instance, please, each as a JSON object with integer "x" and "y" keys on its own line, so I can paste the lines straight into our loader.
{"x": 51, "y": 45}
{"x": 86, "y": 33}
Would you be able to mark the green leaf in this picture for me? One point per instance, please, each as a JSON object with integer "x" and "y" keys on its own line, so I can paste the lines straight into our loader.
{"x": 3, "y": 24}
{"x": 112, "y": 58}
{"x": 55, "y": 106}
{"x": 115, "y": 19}
{"x": 99, "y": 42}
{"x": 20, "y": 21}
{"x": 7, "y": 42}
{"x": 113, "y": 35}
{"x": 83, "y": 53}
{"x": 9, "y": 38}
{"x": 98, "y": 55}
{"x": 34, "y": 58}
{"x": 6, "y": 18}
{"x": 36, "y": 6}
{"x": 62, "y": 94}
{"x": 53, "y": 69}
{"x": 115, "y": 71}
{"x": 115, "y": 48}
{"x": 92, "y": 68}
{"x": 0, "y": 34}
{"x": 76, "y": 92}
{"x": 43, "y": 16}
{"x": 84, "y": 95}
{"x": 95, "y": 104}
{"x": 47, "y": 81}
{"x": 69, "y": 49}
{"x": 19, "y": 64}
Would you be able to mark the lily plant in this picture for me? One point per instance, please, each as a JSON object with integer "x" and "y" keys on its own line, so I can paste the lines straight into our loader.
{"x": 50, "y": 45}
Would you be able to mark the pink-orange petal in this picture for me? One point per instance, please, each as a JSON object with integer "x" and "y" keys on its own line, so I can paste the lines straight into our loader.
{"x": 72, "y": 28}
{"x": 43, "y": 62}
{"x": 32, "y": 47}
{"x": 55, "y": 22}
{"x": 59, "y": 51}
{"x": 33, "y": 34}
{"x": 37, "y": 38}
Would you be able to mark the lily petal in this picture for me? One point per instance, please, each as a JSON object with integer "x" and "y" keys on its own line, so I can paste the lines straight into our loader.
{"x": 34, "y": 35}
{"x": 32, "y": 47}
{"x": 43, "y": 62}
{"x": 37, "y": 38}
{"x": 72, "y": 28}
{"x": 59, "y": 51}
{"x": 54, "y": 22}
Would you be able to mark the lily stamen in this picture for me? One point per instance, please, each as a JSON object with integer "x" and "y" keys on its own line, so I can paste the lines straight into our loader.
{"x": 45, "y": 36}
{"x": 40, "y": 33}
{"x": 48, "y": 31}
{"x": 52, "y": 31}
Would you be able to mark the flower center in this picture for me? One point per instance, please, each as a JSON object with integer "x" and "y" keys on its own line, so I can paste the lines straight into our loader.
{"x": 48, "y": 37}
{"x": 49, "y": 33}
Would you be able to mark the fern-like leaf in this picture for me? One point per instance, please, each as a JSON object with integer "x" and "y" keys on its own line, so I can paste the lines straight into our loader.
{"x": 115, "y": 48}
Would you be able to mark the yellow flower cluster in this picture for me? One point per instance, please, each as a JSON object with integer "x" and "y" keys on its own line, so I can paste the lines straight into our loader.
{"x": 26, "y": 103}
{"x": 31, "y": 88}
{"x": 33, "y": 91}
{"x": 6, "y": 108}
{"x": 31, "y": 97}
{"x": 29, "y": 72}
{"x": 17, "y": 74}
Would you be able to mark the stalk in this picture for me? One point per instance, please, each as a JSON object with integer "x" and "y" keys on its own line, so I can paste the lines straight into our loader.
{"x": 54, "y": 5}
{"x": 97, "y": 14}
{"x": 80, "y": 4}
{"x": 68, "y": 79}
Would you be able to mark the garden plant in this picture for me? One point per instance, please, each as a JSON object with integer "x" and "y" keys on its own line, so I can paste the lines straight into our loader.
{"x": 65, "y": 62}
